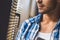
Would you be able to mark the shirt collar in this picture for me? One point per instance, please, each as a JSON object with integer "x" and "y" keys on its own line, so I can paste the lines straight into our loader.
{"x": 38, "y": 18}
{"x": 57, "y": 25}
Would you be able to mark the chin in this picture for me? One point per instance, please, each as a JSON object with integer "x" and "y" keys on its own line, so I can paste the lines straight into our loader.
{"x": 41, "y": 11}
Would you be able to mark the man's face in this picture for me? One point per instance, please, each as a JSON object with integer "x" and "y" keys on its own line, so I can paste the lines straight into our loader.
{"x": 45, "y": 6}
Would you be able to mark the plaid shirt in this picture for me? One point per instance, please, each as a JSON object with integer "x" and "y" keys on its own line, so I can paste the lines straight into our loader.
{"x": 30, "y": 27}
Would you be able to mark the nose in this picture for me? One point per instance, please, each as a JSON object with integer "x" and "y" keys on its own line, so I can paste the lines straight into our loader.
{"x": 39, "y": 1}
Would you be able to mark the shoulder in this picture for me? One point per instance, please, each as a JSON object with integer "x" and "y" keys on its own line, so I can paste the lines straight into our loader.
{"x": 28, "y": 22}
{"x": 27, "y": 25}
{"x": 32, "y": 20}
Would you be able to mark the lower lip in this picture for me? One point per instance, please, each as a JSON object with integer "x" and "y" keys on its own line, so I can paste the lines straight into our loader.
{"x": 40, "y": 7}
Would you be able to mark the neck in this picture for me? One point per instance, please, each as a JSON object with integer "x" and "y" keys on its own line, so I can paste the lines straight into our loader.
{"x": 48, "y": 23}
{"x": 52, "y": 16}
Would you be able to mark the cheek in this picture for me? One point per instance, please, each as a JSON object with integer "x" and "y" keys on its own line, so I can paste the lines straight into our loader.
{"x": 47, "y": 2}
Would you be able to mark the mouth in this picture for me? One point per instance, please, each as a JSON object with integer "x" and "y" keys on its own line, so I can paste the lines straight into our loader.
{"x": 40, "y": 6}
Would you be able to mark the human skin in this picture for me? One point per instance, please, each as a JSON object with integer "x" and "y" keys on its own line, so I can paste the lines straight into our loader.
{"x": 45, "y": 6}
{"x": 49, "y": 18}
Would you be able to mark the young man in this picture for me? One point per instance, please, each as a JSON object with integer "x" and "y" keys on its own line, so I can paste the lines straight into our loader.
{"x": 44, "y": 26}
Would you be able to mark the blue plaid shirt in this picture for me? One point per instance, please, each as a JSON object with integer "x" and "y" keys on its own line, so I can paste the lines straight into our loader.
{"x": 30, "y": 27}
